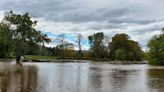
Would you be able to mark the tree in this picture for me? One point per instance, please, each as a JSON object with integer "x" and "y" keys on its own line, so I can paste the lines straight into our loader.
{"x": 68, "y": 51}
{"x": 96, "y": 44}
{"x": 121, "y": 44}
{"x": 135, "y": 52}
{"x": 61, "y": 38}
{"x": 5, "y": 40}
{"x": 156, "y": 49}
{"x": 119, "y": 41}
{"x": 79, "y": 40}
{"x": 23, "y": 32}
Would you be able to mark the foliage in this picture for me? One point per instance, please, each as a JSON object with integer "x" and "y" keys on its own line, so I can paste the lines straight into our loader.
{"x": 5, "y": 40}
{"x": 119, "y": 41}
{"x": 87, "y": 56}
{"x": 156, "y": 49}
{"x": 122, "y": 48}
{"x": 120, "y": 54}
{"x": 64, "y": 51}
{"x": 97, "y": 46}
{"x": 24, "y": 35}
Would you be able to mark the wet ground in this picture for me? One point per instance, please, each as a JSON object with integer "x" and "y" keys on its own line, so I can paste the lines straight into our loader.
{"x": 82, "y": 77}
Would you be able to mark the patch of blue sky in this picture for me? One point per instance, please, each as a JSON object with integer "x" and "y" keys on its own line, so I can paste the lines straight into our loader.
{"x": 69, "y": 37}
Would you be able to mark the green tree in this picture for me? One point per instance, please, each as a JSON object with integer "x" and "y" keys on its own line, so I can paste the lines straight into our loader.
{"x": 96, "y": 44}
{"x": 119, "y": 41}
{"x": 121, "y": 44}
{"x": 23, "y": 32}
{"x": 5, "y": 40}
{"x": 135, "y": 52}
{"x": 156, "y": 49}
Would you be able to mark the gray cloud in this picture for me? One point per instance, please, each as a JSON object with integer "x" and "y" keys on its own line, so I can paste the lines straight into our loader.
{"x": 89, "y": 10}
{"x": 139, "y": 18}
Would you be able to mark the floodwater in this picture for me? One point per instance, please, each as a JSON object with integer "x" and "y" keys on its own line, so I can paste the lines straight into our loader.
{"x": 82, "y": 77}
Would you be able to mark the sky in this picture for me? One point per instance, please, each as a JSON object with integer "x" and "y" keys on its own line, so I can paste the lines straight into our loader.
{"x": 140, "y": 19}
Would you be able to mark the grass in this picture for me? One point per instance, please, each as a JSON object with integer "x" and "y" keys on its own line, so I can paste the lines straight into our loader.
{"x": 40, "y": 58}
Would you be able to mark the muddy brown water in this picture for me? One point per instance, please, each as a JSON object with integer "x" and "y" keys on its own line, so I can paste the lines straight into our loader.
{"x": 82, "y": 77}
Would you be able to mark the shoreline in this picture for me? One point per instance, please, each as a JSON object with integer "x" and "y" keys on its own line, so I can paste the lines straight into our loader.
{"x": 85, "y": 61}
{"x": 76, "y": 61}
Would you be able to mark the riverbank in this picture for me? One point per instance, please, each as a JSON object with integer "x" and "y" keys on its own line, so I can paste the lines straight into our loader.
{"x": 91, "y": 61}
{"x": 36, "y": 58}
{"x": 56, "y": 60}
{"x": 123, "y": 62}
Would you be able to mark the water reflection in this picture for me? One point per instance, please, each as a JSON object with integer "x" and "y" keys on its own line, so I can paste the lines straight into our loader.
{"x": 115, "y": 78}
{"x": 82, "y": 77}
{"x": 156, "y": 80}
{"x": 95, "y": 82}
{"x": 24, "y": 81}
{"x": 119, "y": 79}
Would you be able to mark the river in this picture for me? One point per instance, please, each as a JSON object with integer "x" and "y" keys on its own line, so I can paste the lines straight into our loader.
{"x": 83, "y": 77}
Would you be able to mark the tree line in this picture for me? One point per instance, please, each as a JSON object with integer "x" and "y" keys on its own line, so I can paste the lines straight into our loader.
{"x": 18, "y": 37}
{"x": 121, "y": 47}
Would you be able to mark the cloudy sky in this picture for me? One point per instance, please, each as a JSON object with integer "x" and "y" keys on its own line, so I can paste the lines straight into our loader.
{"x": 140, "y": 19}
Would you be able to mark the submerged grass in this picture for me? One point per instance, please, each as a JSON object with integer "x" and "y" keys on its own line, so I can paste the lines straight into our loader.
{"x": 40, "y": 58}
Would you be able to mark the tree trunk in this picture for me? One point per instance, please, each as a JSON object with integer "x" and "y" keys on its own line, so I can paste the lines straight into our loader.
{"x": 79, "y": 52}
{"x": 18, "y": 58}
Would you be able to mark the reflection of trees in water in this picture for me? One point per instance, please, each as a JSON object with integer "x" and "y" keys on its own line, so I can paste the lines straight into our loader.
{"x": 81, "y": 78}
{"x": 95, "y": 82}
{"x": 29, "y": 79}
{"x": 5, "y": 83}
{"x": 118, "y": 79}
{"x": 60, "y": 81}
{"x": 78, "y": 79}
{"x": 155, "y": 80}
{"x": 104, "y": 80}
{"x": 24, "y": 81}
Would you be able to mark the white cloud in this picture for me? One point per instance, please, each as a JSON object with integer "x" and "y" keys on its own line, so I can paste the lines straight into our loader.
{"x": 1, "y": 15}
